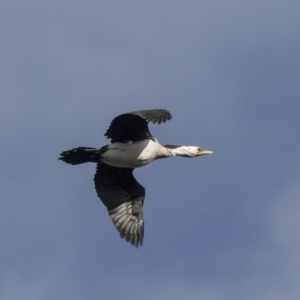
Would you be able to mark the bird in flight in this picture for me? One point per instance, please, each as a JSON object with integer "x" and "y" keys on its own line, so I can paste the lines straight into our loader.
{"x": 132, "y": 145}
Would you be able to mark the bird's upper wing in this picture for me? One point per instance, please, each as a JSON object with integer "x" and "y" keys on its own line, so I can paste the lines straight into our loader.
{"x": 133, "y": 126}
{"x": 154, "y": 115}
{"x": 124, "y": 198}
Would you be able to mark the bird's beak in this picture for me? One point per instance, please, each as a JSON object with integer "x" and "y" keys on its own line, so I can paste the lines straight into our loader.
{"x": 204, "y": 152}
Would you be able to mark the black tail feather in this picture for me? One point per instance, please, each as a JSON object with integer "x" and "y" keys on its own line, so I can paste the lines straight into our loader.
{"x": 81, "y": 155}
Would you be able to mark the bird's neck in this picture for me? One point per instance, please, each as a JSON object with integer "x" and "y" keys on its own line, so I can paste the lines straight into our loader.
{"x": 167, "y": 151}
{"x": 163, "y": 152}
{"x": 183, "y": 151}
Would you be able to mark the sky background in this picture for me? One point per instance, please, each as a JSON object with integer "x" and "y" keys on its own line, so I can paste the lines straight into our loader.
{"x": 219, "y": 227}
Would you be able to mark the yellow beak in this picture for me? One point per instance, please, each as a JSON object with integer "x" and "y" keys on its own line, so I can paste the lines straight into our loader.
{"x": 204, "y": 152}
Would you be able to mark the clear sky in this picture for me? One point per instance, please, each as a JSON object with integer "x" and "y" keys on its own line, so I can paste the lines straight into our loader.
{"x": 219, "y": 227}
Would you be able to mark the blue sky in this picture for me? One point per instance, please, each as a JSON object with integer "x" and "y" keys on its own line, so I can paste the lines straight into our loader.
{"x": 218, "y": 227}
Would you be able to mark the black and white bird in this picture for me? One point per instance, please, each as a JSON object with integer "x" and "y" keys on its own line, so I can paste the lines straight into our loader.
{"x": 132, "y": 145}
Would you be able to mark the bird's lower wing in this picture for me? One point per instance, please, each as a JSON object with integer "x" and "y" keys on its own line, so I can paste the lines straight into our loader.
{"x": 128, "y": 219}
{"x": 124, "y": 197}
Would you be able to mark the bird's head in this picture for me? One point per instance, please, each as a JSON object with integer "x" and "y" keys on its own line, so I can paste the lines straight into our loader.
{"x": 192, "y": 151}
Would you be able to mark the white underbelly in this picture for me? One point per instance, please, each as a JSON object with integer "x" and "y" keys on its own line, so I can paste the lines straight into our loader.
{"x": 130, "y": 155}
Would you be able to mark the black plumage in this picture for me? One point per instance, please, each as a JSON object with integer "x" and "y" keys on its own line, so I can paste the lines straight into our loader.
{"x": 134, "y": 126}
{"x": 124, "y": 198}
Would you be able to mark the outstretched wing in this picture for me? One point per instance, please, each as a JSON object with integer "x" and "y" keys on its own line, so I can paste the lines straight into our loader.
{"x": 124, "y": 198}
{"x": 133, "y": 126}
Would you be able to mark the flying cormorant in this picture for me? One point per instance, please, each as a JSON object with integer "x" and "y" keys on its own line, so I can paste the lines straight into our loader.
{"x": 132, "y": 145}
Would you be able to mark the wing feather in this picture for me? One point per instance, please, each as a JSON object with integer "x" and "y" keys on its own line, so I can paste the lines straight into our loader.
{"x": 124, "y": 198}
{"x": 133, "y": 126}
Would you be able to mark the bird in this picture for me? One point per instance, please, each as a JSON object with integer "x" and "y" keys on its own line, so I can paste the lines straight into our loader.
{"x": 132, "y": 146}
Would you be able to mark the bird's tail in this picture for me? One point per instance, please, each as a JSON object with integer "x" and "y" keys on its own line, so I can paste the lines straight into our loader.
{"x": 81, "y": 155}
